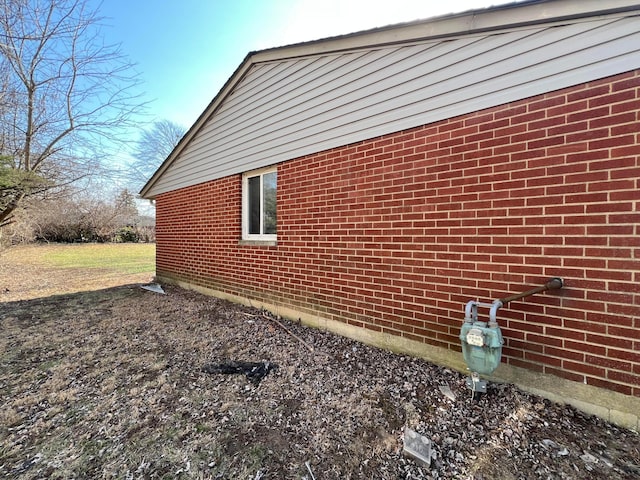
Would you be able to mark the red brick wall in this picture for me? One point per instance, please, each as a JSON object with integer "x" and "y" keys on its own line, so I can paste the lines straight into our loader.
{"x": 397, "y": 233}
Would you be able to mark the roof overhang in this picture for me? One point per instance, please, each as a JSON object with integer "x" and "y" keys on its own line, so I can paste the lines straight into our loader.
{"x": 502, "y": 17}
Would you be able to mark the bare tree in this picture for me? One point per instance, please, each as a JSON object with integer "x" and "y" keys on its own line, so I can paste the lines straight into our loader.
{"x": 153, "y": 147}
{"x": 66, "y": 96}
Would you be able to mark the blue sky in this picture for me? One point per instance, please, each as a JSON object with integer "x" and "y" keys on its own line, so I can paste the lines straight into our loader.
{"x": 185, "y": 50}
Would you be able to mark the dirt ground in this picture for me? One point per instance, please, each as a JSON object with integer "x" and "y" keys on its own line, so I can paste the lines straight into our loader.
{"x": 111, "y": 383}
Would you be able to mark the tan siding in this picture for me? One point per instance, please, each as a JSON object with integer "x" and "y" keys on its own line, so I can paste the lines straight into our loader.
{"x": 281, "y": 110}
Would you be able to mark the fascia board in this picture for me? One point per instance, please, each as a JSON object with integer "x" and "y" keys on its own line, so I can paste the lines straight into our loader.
{"x": 512, "y": 15}
{"x": 200, "y": 122}
{"x": 507, "y": 16}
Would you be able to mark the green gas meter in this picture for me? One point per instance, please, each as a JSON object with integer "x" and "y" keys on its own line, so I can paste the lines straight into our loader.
{"x": 482, "y": 341}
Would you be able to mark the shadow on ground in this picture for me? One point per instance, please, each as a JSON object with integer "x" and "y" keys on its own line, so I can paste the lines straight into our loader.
{"x": 111, "y": 383}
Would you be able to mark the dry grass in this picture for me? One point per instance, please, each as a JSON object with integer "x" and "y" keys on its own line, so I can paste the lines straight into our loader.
{"x": 32, "y": 271}
{"x": 108, "y": 384}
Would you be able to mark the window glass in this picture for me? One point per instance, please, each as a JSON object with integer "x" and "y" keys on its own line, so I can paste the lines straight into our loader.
{"x": 254, "y": 205}
{"x": 269, "y": 202}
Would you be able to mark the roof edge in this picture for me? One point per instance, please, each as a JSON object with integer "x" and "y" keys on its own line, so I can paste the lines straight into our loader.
{"x": 495, "y": 18}
{"x": 509, "y": 15}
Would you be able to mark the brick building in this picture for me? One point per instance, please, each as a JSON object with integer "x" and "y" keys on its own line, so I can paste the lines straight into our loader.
{"x": 374, "y": 183}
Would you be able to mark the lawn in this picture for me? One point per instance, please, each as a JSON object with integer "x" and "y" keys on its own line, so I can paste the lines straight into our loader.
{"x": 30, "y": 271}
{"x": 125, "y": 258}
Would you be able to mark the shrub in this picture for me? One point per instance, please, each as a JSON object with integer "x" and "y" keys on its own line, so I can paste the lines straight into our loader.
{"x": 127, "y": 235}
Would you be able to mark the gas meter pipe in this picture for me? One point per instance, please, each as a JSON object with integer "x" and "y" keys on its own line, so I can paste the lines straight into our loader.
{"x": 553, "y": 284}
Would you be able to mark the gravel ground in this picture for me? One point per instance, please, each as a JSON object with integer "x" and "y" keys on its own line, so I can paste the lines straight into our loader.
{"x": 110, "y": 384}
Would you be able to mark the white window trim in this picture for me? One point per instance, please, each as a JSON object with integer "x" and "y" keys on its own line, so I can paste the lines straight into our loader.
{"x": 246, "y": 236}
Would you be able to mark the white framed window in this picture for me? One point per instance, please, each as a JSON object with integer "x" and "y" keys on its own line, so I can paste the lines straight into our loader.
{"x": 259, "y": 204}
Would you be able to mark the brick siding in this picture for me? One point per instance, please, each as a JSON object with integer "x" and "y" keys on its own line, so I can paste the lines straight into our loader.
{"x": 395, "y": 234}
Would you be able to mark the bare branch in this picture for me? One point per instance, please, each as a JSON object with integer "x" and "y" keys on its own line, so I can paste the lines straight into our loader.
{"x": 153, "y": 147}
{"x": 66, "y": 97}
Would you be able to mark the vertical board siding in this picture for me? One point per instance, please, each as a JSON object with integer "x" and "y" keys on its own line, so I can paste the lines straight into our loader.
{"x": 282, "y": 110}
{"x": 396, "y": 233}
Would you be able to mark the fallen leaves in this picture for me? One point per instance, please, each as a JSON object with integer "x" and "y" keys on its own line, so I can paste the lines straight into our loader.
{"x": 110, "y": 384}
